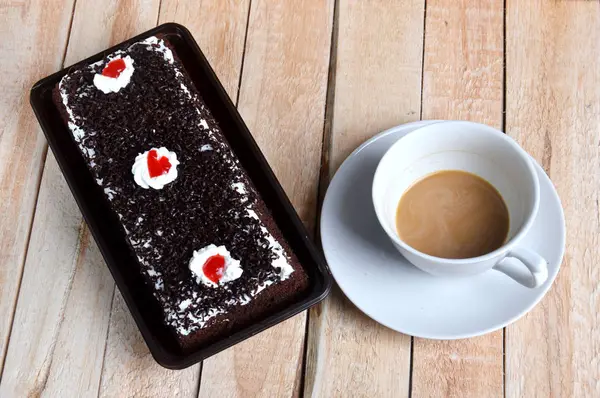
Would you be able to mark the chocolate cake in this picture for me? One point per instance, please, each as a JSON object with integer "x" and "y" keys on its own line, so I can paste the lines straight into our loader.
{"x": 206, "y": 244}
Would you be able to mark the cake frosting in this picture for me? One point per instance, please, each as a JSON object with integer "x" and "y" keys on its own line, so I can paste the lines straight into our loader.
{"x": 200, "y": 207}
{"x": 112, "y": 84}
{"x": 227, "y": 268}
{"x": 142, "y": 168}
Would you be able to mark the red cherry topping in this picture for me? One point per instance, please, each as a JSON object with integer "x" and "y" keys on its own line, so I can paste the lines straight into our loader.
{"x": 114, "y": 68}
{"x": 156, "y": 166}
{"x": 213, "y": 268}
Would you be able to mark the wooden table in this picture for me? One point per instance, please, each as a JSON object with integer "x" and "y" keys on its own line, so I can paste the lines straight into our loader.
{"x": 322, "y": 75}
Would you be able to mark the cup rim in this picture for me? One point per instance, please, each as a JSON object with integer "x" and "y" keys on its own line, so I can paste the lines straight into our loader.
{"x": 463, "y": 261}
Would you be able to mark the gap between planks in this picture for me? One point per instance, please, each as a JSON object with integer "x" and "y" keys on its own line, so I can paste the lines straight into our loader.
{"x": 463, "y": 78}
{"x": 237, "y": 100}
{"x": 380, "y": 43}
{"x": 324, "y": 176}
{"x": 40, "y": 173}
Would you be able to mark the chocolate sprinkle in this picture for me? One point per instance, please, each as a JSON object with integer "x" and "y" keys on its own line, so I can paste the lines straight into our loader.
{"x": 199, "y": 208}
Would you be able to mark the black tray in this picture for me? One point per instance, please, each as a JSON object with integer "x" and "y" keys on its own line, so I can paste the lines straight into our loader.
{"x": 106, "y": 228}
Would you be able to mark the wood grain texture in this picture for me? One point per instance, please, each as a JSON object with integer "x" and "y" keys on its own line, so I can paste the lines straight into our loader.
{"x": 377, "y": 86}
{"x": 57, "y": 344}
{"x": 462, "y": 79}
{"x": 130, "y": 371}
{"x": 462, "y": 65}
{"x": 377, "y": 72}
{"x": 553, "y": 111}
{"x": 66, "y": 342}
{"x": 282, "y": 100}
{"x": 267, "y": 365}
{"x": 350, "y": 355}
{"x": 97, "y": 26}
{"x": 63, "y": 304}
{"x": 219, "y": 27}
{"x": 32, "y": 46}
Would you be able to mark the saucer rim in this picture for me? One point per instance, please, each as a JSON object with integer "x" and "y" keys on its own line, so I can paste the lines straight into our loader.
{"x": 445, "y": 336}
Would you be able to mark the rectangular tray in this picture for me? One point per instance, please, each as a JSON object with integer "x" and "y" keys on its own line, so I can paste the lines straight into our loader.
{"x": 107, "y": 230}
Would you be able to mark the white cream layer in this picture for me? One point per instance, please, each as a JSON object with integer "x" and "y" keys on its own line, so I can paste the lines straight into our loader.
{"x": 108, "y": 84}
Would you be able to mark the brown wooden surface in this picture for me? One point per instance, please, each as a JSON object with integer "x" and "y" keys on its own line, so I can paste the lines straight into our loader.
{"x": 462, "y": 80}
{"x": 553, "y": 110}
{"x": 64, "y": 331}
{"x": 124, "y": 353}
{"x": 32, "y": 45}
{"x": 375, "y": 87}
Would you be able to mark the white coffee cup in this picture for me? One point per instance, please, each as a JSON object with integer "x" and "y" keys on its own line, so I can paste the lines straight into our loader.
{"x": 477, "y": 149}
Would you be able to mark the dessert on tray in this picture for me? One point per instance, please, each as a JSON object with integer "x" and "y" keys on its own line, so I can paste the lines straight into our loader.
{"x": 206, "y": 244}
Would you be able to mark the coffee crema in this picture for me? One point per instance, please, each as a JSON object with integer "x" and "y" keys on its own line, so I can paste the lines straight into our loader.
{"x": 452, "y": 214}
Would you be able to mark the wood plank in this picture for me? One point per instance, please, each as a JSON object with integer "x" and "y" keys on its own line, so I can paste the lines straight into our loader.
{"x": 61, "y": 283}
{"x": 57, "y": 344}
{"x": 219, "y": 27}
{"x": 462, "y": 65}
{"x": 377, "y": 86}
{"x": 129, "y": 369}
{"x": 462, "y": 79}
{"x": 378, "y": 71}
{"x": 553, "y": 110}
{"x": 282, "y": 99}
{"x": 33, "y": 43}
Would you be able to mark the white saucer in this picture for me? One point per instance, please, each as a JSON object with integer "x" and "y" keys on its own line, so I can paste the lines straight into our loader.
{"x": 382, "y": 284}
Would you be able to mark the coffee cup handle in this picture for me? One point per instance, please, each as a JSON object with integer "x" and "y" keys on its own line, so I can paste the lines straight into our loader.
{"x": 524, "y": 266}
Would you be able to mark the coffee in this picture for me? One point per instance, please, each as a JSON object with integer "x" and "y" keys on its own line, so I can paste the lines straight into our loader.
{"x": 452, "y": 214}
